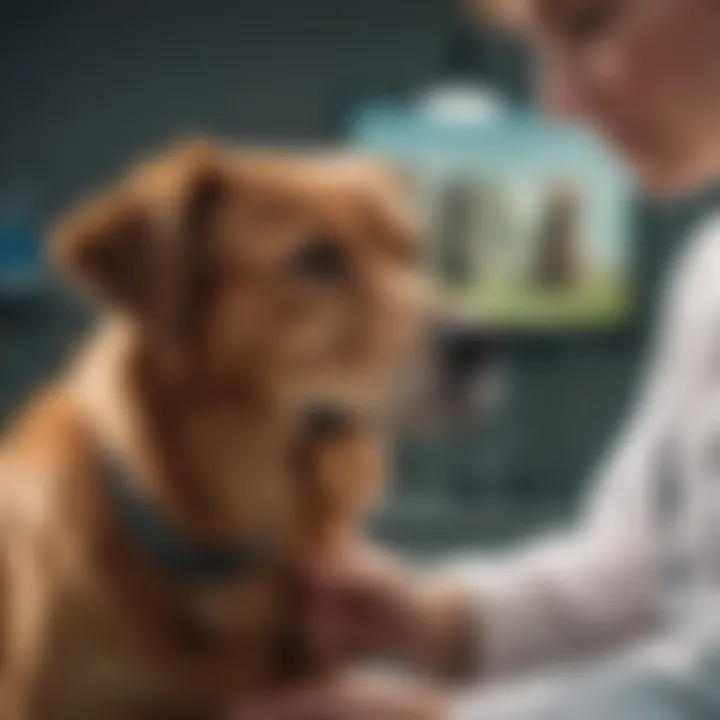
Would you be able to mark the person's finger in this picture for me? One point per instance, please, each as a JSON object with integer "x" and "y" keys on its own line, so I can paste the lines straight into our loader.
{"x": 359, "y": 604}
{"x": 336, "y": 597}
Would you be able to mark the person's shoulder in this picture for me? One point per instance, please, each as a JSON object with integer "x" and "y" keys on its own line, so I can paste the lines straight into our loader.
{"x": 696, "y": 277}
{"x": 701, "y": 257}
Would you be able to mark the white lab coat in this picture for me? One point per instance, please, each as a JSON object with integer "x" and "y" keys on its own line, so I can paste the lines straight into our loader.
{"x": 604, "y": 579}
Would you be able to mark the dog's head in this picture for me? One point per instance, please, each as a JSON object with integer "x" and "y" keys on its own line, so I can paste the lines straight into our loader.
{"x": 295, "y": 273}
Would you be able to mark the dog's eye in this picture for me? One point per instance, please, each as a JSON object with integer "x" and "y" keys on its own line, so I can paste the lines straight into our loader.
{"x": 320, "y": 260}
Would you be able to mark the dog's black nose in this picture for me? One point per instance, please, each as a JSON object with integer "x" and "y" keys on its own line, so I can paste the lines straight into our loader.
{"x": 328, "y": 420}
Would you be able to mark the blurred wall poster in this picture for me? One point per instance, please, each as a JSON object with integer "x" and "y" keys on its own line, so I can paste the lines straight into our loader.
{"x": 526, "y": 224}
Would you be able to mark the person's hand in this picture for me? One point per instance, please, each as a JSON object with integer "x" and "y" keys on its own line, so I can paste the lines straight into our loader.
{"x": 348, "y": 698}
{"x": 366, "y": 603}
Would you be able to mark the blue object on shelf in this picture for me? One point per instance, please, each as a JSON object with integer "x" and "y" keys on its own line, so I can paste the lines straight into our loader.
{"x": 20, "y": 255}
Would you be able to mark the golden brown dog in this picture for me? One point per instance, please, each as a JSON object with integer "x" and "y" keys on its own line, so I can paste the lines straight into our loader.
{"x": 152, "y": 500}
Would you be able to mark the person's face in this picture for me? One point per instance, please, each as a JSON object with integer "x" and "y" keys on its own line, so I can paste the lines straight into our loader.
{"x": 645, "y": 73}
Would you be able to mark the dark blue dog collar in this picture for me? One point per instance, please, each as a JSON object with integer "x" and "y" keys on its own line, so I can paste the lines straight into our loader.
{"x": 182, "y": 558}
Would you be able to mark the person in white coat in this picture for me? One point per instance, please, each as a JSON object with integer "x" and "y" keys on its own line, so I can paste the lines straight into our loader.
{"x": 646, "y": 75}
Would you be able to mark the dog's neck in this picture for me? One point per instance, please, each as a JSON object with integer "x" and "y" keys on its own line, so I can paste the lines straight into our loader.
{"x": 217, "y": 466}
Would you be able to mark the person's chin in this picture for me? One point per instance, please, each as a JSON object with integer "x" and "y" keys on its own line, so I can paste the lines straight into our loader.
{"x": 669, "y": 180}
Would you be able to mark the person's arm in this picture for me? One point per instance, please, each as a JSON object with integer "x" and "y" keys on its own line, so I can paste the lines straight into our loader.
{"x": 556, "y": 595}
{"x": 598, "y": 582}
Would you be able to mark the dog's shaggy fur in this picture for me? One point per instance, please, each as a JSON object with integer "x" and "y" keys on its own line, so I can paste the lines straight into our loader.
{"x": 242, "y": 290}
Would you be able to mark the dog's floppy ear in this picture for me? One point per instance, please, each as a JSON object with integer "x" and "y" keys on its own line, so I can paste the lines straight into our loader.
{"x": 105, "y": 244}
{"x": 138, "y": 246}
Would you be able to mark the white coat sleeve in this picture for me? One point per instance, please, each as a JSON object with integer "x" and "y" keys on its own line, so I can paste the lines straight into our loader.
{"x": 576, "y": 592}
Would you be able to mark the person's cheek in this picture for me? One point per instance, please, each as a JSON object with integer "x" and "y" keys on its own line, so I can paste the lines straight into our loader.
{"x": 629, "y": 100}
{"x": 661, "y": 73}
